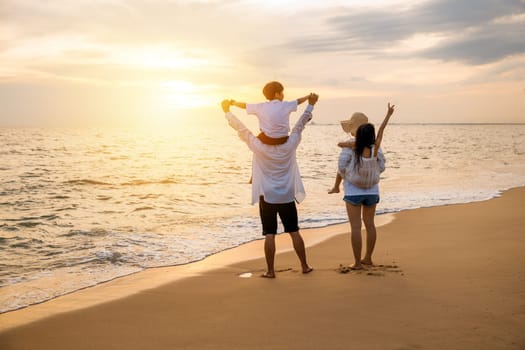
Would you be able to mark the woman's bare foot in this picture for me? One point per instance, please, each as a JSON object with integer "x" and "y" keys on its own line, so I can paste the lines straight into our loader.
{"x": 334, "y": 190}
{"x": 367, "y": 262}
{"x": 356, "y": 267}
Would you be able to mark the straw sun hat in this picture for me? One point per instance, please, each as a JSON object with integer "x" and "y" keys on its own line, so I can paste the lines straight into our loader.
{"x": 351, "y": 125}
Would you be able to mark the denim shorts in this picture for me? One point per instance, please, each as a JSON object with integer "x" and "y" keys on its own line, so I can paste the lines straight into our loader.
{"x": 365, "y": 199}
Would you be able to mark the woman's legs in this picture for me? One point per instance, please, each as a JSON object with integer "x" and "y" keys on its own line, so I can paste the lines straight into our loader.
{"x": 371, "y": 235}
{"x": 354, "y": 216}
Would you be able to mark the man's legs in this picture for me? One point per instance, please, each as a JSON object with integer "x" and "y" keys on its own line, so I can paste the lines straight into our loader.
{"x": 288, "y": 214}
{"x": 300, "y": 250}
{"x": 268, "y": 214}
{"x": 269, "y": 253}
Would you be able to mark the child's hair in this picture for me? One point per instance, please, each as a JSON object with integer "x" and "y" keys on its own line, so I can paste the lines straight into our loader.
{"x": 365, "y": 137}
{"x": 271, "y": 88}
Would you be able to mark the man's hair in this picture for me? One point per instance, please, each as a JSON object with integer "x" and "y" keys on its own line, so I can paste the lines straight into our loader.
{"x": 271, "y": 88}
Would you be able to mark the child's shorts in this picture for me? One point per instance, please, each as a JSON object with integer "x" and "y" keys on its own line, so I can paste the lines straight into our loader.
{"x": 365, "y": 199}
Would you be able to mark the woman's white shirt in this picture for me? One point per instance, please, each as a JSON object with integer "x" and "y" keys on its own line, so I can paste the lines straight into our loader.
{"x": 345, "y": 167}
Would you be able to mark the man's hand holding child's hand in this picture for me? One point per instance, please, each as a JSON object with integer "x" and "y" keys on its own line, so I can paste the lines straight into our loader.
{"x": 225, "y": 104}
{"x": 312, "y": 98}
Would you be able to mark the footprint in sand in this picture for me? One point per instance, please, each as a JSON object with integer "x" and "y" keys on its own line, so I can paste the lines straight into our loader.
{"x": 375, "y": 274}
{"x": 343, "y": 269}
{"x": 371, "y": 270}
{"x": 284, "y": 270}
{"x": 250, "y": 274}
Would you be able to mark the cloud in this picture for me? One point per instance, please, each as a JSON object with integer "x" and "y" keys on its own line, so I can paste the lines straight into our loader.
{"x": 473, "y": 32}
{"x": 92, "y": 41}
{"x": 491, "y": 44}
{"x": 117, "y": 21}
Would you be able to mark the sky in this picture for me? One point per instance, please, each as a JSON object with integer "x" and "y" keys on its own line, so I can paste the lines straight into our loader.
{"x": 130, "y": 62}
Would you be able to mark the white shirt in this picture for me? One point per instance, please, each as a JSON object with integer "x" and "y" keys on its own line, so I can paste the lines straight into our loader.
{"x": 274, "y": 116}
{"x": 275, "y": 171}
{"x": 345, "y": 167}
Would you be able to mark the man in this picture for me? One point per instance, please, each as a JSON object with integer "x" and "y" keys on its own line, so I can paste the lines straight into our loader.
{"x": 276, "y": 184}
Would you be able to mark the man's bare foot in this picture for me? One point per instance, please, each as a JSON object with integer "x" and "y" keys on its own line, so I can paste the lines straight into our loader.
{"x": 367, "y": 262}
{"x": 307, "y": 270}
{"x": 357, "y": 267}
{"x": 268, "y": 275}
{"x": 334, "y": 190}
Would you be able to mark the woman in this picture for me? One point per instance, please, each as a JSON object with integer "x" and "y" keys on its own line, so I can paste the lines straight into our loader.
{"x": 359, "y": 165}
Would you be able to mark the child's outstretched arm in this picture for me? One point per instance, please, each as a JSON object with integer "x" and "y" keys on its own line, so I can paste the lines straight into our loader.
{"x": 304, "y": 98}
{"x": 379, "y": 137}
{"x": 347, "y": 144}
{"x": 238, "y": 104}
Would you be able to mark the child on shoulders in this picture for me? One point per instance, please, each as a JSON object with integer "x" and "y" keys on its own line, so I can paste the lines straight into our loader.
{"x": 273, "y": 115}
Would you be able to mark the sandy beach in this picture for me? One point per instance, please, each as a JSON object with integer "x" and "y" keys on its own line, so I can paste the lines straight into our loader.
{"x": 446, "y": 277}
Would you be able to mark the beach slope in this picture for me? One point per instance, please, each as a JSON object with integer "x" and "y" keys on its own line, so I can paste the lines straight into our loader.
{"x": 448, "y": 277}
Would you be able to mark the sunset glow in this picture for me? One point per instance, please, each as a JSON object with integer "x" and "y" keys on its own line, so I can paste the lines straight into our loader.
{"x": 111, "y": 62}
{"x": 185, "y": 95}
{"x": 157, "y": 58}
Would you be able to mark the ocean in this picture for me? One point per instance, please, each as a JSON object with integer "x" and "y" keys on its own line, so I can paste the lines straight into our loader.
{"x": 81, "y": 207}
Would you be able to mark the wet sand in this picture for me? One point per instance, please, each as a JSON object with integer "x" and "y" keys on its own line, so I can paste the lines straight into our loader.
{"x": 445, "y": 278}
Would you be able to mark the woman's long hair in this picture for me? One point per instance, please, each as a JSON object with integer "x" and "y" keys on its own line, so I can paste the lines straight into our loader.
{"x": 365, "y": 137}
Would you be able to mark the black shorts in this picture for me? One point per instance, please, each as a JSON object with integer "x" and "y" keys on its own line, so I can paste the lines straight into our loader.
{"x": 287, "y": 212}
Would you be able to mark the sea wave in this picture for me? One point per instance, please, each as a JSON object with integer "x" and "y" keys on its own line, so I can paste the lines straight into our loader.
{"x": 164, "y": 201}
{"x": 138, "y": 182}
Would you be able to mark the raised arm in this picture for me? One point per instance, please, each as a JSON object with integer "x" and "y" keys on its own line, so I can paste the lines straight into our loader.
{"x": 295, "y": 135}
{"x": 244, "y": 133}
{"x": 381, "y": 130}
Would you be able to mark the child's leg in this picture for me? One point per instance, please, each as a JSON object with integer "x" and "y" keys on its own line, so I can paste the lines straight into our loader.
{"x": 337, "y": 183}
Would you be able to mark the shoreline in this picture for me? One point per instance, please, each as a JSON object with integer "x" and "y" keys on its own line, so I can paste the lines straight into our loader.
{"x": 382, "y": 218}
{"x": 120, "y": 289}
{"x": 127, "y": 285}
{"x": 441, "y": 280}
{"x": 491, "y": 195}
